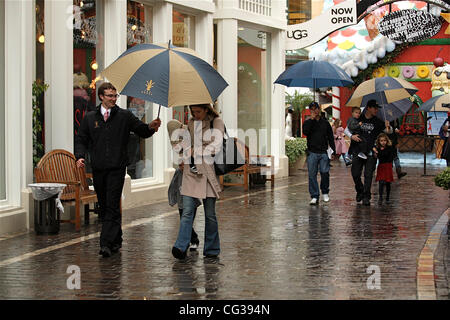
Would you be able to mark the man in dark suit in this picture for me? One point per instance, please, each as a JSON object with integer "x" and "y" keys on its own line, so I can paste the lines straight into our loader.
{"x": 105, "y": 133}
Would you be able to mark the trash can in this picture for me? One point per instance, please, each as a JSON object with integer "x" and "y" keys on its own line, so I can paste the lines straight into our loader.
{"x": 47, "y": 207}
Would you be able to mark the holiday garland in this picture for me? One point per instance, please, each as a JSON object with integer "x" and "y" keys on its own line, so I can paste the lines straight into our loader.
{"x": 367, "y": 73}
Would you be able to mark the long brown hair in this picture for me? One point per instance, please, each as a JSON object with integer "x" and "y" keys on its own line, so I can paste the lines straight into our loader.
{"x": 383, "y": 135}
{"x": 211, "y": 111}
{"x": 337, "y": 123}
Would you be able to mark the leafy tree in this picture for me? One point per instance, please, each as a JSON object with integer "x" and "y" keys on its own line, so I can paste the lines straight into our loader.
{"x": 299, "y": 101}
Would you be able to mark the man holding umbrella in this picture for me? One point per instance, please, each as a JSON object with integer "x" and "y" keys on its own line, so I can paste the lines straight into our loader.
{"x": 371, "y": 127}
{"x": 319, "y": 136}
{"x": 105, "y": 134}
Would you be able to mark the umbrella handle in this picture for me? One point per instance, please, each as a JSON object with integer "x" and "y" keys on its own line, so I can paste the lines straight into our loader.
{"x": 159, "y": 110}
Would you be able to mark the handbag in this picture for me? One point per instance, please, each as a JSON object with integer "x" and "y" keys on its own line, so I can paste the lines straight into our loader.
{"x": 230, "y": 157}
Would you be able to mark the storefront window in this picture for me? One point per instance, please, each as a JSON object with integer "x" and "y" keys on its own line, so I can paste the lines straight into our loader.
{"x": 183, "y": 35}
{"x": 87, "y": 43}
{"x": 140, "y": 151}
{"x": 2, "y": 102}
{"x": 254, "y": 86}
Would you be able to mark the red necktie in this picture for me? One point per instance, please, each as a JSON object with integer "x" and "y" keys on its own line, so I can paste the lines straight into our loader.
{"x": 106, "y": 115}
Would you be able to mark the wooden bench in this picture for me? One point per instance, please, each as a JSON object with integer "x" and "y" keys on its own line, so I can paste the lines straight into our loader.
{"x": 254, "y": 164}
{"x": 58, "y": 166}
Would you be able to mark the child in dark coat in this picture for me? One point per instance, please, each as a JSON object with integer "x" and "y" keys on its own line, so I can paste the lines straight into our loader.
{"x": 385, "y": 153}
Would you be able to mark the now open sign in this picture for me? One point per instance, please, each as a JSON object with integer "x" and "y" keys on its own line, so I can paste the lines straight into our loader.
{"x": 305, "y": 34}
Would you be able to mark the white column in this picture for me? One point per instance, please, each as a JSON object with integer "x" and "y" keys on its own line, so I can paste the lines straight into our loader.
{"x": 162, "y": 33}
{"x": 115, "y": 34}
{"x": 227, "y": 62}
{"x": 204, "y": 36}
{"x": 59, "y": 75}
{"x": 18, "y": 100}
{"x": 277, "y": 91}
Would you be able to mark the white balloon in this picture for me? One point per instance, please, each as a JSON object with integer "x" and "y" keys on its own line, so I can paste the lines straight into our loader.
{"x": 381, "y": 52}
{"x": 358, "y": 57}
{"x": 372, "y": 58}
{"x": 390, "y": 45}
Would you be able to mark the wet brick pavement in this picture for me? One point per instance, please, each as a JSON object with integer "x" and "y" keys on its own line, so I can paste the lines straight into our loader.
{"x": 274, "y": 246}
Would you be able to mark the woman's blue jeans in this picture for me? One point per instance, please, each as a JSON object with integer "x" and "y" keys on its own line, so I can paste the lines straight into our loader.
{"x": 212, "y": 243}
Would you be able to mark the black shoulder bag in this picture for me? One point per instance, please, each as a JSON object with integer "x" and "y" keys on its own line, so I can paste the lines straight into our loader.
{"x": 229, "y": 158}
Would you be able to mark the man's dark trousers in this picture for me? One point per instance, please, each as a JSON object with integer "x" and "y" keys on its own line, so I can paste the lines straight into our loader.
{"x": 108, "y": 185}
{"x": 369, "y": 167}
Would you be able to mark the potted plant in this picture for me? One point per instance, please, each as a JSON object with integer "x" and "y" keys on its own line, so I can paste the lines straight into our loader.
{"x": 296, "y": 152}
{"x": 443, "y": 179}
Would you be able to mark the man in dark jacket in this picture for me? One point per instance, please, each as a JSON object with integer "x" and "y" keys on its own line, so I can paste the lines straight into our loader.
{"x": 370, "y": 129}
{"x": 105, "y": 133}
{"x": 319, "y": 137}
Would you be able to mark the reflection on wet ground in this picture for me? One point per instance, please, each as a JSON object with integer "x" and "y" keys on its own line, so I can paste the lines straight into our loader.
{"x": 274, "y": 245}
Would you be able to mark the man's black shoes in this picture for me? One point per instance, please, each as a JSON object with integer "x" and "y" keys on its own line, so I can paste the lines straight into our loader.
{"x": 105, "y": 252}
{"x": 115, "y": 248}
{"x": 366, "y": 202}
{"x": 177, "y": 253}
{"x": 359, "y": 197}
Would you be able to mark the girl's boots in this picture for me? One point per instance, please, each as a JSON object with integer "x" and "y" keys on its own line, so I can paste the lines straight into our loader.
{"x": 388, "y": 191}
{"x": 381, "y": 185}
{"x": 380, "y": 192}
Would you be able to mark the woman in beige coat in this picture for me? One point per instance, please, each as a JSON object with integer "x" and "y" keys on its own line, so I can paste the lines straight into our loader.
{"x": 204, "y": 184}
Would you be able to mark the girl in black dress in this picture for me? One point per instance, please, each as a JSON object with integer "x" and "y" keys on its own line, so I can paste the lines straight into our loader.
{"x": 385, "y": 153}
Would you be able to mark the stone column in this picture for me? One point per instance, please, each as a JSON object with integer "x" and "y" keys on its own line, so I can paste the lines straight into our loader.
{"x": 227, "y": 62}
{"x": 59, "y": 75}
{"x": 277, "y": 94}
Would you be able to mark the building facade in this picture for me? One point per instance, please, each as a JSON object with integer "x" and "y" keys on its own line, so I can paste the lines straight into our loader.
{"x": 67, "y": 43}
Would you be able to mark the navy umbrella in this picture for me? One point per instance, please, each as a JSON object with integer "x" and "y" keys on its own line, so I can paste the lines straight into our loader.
{"x": 314, "y": 74}
{"x": 395, "y": 110}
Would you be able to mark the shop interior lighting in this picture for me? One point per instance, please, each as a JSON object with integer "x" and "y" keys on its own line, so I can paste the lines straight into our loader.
{"x": 94, "y": 65}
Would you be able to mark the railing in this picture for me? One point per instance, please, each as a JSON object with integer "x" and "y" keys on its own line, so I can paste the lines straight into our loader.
{"x": 263, "y": 7}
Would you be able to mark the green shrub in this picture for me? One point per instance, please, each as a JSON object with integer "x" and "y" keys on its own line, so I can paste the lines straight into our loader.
{"x": 295, "y": 148}
{"x": 443, "y": 179}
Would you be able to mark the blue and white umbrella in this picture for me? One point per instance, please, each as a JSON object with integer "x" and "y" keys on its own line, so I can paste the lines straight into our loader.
{"x": 166, "y": 75}
{"x": 386, "y": 91}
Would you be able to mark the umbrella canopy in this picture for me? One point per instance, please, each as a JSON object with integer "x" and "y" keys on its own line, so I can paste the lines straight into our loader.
{"x": 436, "y": 102}
{"x": 165, "y": 74}
{"x": 384, "y": 89}
{"x": 314, "y": 74}
{"x": 395, "y": 110}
